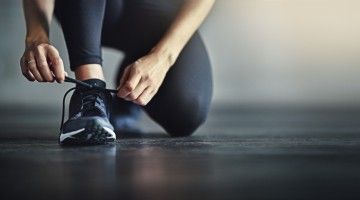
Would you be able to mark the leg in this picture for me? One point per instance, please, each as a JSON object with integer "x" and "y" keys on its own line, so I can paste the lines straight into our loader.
{"x": 124, "y": 25}
{"x": 81, "y": 22}
{"x": 88, "y": 121}
{"x": 181, "y": 104}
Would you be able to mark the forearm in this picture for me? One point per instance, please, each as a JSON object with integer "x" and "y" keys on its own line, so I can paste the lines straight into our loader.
{"x": 187, "y": 21}
{"x": 38, "y": 15}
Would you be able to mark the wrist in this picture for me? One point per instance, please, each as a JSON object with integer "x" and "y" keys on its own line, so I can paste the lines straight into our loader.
{"x": 166, "y": 53}
{"x": 36, "y": 38}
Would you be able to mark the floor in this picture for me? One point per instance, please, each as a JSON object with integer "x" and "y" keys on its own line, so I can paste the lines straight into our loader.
{"x": 252, "y": 153}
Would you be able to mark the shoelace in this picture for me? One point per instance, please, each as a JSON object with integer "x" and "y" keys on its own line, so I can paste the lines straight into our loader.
{"x": 90, "y": 100}
{"x": 71, "y": 80}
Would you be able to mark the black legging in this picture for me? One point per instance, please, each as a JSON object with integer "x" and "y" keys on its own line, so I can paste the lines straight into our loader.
{"x": 134, "y": 27}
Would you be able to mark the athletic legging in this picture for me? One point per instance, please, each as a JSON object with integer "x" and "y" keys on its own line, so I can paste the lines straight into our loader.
{"x": 134, "y": 27}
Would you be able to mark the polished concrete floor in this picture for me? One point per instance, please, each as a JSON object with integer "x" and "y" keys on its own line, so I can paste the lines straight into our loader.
{"x": 251, "y": 153}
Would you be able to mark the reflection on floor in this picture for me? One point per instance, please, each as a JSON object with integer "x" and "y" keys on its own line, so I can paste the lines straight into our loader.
{"x": 238, "y": 154}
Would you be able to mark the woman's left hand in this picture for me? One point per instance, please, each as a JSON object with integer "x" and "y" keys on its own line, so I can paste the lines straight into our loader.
{"x": 142, "y": 79}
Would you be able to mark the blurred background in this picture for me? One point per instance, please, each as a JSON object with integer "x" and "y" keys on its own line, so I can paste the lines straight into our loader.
{"x": 264, "y": 53}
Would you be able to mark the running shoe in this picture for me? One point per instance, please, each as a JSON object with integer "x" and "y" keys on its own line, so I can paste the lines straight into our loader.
{"x": 88, "y": 122}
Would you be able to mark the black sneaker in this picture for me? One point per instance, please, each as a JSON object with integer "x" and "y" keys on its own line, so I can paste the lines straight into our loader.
{"x": 88, "y": 121}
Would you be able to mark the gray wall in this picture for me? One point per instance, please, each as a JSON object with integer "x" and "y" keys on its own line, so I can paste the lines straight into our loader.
{"x": 294, "y": 52}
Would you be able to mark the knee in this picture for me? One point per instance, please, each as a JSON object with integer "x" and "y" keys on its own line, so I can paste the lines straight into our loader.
{"x": 187, "y": 120}
{"x": 185, "y": 127}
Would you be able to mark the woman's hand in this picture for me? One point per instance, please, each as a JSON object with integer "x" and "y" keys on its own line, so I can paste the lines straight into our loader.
{"x": 41, "y": 62}
{"x": 142, "y": 79}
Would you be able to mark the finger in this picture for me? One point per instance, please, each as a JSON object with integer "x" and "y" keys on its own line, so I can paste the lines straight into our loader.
{"x": 145, "y": 96}
{"x": 137, "y": 91}
{"x": 22, "y": 63}
{"x": 130, "y": 82}
{"x": 57, "y": 65}
{"x": 124, "y": 77}
{"x": 25, "y": 71}
{"x": 31, "y": 66}
{"x": 42, "y": 64}
{"x": 29, "y": 76}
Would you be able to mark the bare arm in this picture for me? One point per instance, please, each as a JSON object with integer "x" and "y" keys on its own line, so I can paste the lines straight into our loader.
{"x": 142, "y": 79}
{"x": 188, "y": 20}
{"x": 38, "y": 15}
{"x": 40, "y": 59}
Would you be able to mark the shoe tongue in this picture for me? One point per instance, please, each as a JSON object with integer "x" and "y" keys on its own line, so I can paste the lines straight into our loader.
{"x": 94, "y": 108}
{"x": 93, "y": 103}
{"x": 94, "y": 82}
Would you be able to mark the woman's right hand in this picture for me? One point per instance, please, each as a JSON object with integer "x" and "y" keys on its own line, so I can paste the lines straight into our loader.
{"x": 41, "y": 62}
